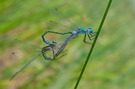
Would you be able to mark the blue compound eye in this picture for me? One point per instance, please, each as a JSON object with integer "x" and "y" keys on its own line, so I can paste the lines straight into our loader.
{"x": 90, "y": 30}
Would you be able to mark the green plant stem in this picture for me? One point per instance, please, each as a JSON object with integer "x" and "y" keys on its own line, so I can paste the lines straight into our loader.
{"x": 90, "y": 52}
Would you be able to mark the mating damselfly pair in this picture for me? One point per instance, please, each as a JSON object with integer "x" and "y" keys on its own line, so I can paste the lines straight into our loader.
{"x": 54, "y": 47}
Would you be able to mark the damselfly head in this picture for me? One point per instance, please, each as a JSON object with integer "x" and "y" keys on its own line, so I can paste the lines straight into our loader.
{"x": 90, "y": 30}
{"x": 54, "y": 42}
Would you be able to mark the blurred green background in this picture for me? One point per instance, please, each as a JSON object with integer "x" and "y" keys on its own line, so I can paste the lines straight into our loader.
{"x": 112, "y": 65}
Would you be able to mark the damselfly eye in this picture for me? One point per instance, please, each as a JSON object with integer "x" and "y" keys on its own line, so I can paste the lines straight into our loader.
{"x": 90, "y": 30}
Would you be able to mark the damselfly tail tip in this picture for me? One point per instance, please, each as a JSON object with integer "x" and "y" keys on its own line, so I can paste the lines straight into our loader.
{"x": 13, "y": 76}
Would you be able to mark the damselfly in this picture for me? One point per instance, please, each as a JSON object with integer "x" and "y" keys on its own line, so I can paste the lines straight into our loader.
{"x": 88, "y": 32}
{"x": 52, "y": 47}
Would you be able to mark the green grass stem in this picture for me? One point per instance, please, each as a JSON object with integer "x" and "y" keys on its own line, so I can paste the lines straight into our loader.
{"x": 94, "y": 42}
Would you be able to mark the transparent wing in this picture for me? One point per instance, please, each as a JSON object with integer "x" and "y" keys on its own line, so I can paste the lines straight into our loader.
{"x": 57, "y": 25}
{"x": 64, "y": 44}
{"x": 58, "y": 19}
{"x": 63, "y": 53}
{"x": 25, "y": 65}
{"x": 49, "y": 52}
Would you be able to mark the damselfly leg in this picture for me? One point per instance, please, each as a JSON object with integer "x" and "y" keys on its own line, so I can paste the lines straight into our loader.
{"x": 91, "y": 36}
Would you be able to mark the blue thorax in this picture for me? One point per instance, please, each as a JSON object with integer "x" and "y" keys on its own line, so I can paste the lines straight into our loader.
{"x": 84, "y": 30}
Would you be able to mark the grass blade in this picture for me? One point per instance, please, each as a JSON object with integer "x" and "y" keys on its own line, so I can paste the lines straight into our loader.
{"x": 90, "y": 52}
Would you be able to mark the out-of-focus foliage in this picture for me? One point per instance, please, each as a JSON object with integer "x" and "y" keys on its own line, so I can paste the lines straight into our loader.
{"x": 112, "y": 65}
